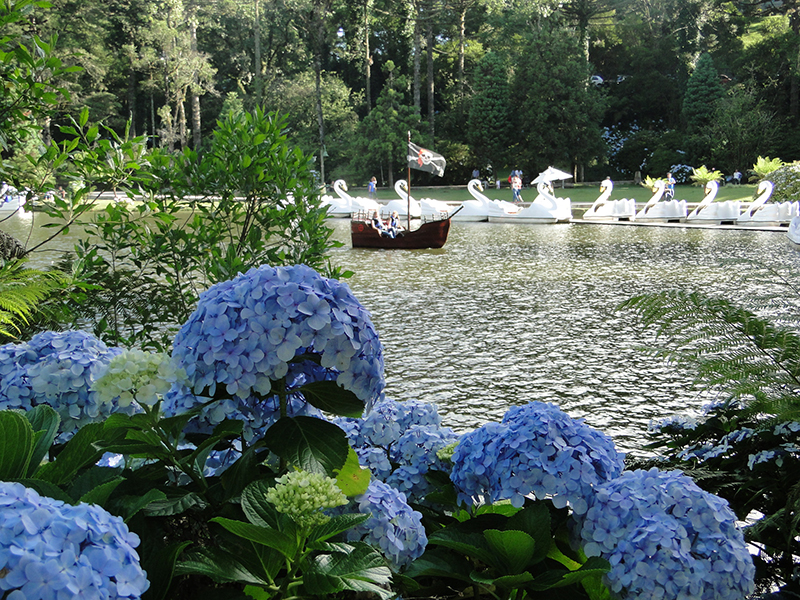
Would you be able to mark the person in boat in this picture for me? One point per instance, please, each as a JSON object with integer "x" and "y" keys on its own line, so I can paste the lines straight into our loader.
{"x": 394, "y": 224}
{"x": 379, "y": 225}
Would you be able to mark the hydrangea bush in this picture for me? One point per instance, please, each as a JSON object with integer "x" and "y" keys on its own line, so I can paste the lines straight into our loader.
{"x": 666, "y": 538}
{"x": 49, "y": 549}
{"x": 58, "y": 369}
{"x": 266, "y": 333}
{"x": 536, "y": 451}
{"x": 786, "y": 183}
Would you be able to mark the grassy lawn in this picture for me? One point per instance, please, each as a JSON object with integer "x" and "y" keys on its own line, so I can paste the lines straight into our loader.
{"x": 578, "y": 194}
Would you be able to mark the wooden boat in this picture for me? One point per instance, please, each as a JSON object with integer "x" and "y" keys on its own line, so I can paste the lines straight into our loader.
{"x": 431, "y": 234}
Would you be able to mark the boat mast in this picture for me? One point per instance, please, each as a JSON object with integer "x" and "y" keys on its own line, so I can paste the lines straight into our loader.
{"x": 408, "y": 181}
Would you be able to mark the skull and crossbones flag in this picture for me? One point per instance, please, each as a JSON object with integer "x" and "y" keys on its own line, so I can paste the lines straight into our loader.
{"x": 425, "y": 160}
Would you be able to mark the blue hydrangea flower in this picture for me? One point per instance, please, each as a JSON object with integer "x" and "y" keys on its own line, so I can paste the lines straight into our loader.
{"x": 49, "y": 549}
{"x": 393, "y": 527}
{"x": 536, "y": 450}
{"x": 58, "y": 369}
{"x": 666, "y": 538}
{"x": 247, "y": 333}
{"x": 398, "y": 442}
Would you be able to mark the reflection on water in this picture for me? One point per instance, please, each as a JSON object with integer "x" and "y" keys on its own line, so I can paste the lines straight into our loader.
{"x": 506, "y": 314}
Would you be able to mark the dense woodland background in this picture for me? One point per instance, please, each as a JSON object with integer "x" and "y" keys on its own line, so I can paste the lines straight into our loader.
{"x": 599, "y": 87}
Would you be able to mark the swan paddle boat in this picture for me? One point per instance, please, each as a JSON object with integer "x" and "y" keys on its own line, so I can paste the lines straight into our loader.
{"x": 762, "y": 213}
{"x": 604, "y": 209}
{"x": 546, "y": 208}
{"x": 718, "y": 213}
{"x": 343, "y": 205}
{"x": 478, "y": 209}
{"x": 401, "y": 205}
{"x": 665, "y": 211}
{"x": 793, "y": 233}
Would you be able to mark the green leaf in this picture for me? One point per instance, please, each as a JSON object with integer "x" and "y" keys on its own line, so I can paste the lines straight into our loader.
{"x": 438, "y": 562}
{"x": 505, "y": 581}
{"x": 337, "y": 525}
{"x": 128, "y": 506}
{"x": 352, "y": 479}
{"x": 45, "y": 421}
{"x": 100, "y": 494}
{"x": 512, "y": 550}
{"x": 361, "y": 570}
{"x": 219, "y": 566}
{"x": 16, "y": 445}
{"x": 333, "y": 398}
{"x": 256, "y": 507}
{"x": 310, "y": 444}
{"x": 594, "y": 567}
{"x": 45, "y": 488}
{"x": 471, "y": 543}
{"x": 534, "y": 519}
{"x": 160, "y": 567}
{"x": 272, "y": 538}
{"x": 79, "y": 452}
{"x": 180, "y": 501}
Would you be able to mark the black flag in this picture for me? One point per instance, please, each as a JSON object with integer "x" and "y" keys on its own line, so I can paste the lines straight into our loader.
{"x": 425, "y": 160}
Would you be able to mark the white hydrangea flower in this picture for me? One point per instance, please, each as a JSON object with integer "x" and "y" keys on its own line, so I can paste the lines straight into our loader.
{"x": 136, "y": 376}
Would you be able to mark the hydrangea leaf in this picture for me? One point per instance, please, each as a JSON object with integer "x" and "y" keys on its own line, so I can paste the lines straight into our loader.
{"x": 128, "y": 506}
{"x": 513, "y": 550}
{"x": 45, "y": 421}
{"x": 45, "y": 488}
{"x": 219, "y": 566}
{"x": 332, "y": 398}
{"x": 437, "y": 562}
{"x": 473, "y": 544}
{"x": 534, "y": 519}
{"x": 16, "y": 445}
{"x": 361, "y": 570}
{"x": 309, "y": 444}
{"x": 180, "y": 501}
{"x": 592, "y": 568}
{"x": 160, "y": 568}
{"x": 352, "y": 479}
{"x": 266, "y": 536}
{"x": 506, "y": 581}
{"x": 99, "y": 495}
{"x": 338, "y": 524}
{"x": 78, "y": 452}
{"x": 256, "y": 507}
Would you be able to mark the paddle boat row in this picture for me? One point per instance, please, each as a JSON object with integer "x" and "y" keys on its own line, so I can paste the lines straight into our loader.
{"x": 343, "y": 205}
{"x": 730, "y": 212}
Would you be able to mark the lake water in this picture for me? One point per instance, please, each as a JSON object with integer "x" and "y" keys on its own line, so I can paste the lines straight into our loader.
{"x": 507, "y": 314}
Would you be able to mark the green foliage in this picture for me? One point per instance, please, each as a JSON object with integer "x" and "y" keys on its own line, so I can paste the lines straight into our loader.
{"x": 250, "y": 200}
{"x": 508, "y": 553}
{"x": 785, "y": 180}
{"x": 27, "y": 66}
{"x": 557, "y": 115}
{"x": 702, "y": 175}
{"x": 384, "y": 131}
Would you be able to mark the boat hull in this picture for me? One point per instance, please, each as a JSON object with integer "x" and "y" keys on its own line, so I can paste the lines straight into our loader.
{"x": 432, "y": 234}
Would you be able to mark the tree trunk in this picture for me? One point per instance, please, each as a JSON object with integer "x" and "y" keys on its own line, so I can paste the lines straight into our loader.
{"x": 257, "y": 66}
{"x": 417, "y": 59}
{"x": 367, "y": 59}
{"x": 320, "y": 121}
{"x": 462, "y": 35}
{"x": 195, "y": 97}
{"x": 431, "y": 84}
{"x": 182, "y": 122}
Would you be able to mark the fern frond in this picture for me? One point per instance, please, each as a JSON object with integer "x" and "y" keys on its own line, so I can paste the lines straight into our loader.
{"x": 732, "y": 349}
{"x": 21, "y": 291}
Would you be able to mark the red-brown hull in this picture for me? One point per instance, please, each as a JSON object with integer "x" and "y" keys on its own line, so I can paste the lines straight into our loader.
{"x": 429, "y": 235}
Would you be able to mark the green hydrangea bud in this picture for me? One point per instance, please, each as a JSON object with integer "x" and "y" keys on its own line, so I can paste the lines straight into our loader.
{"x": 446, "y": 453}
{"x": 303, "y": 496}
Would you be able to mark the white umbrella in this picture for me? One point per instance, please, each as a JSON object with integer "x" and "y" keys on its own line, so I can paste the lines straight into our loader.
{"x": 551, "y": 174}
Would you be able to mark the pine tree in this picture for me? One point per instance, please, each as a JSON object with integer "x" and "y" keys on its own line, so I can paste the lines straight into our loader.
{"x": 703, "y": 91}
{"x": 489, "y": 122}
